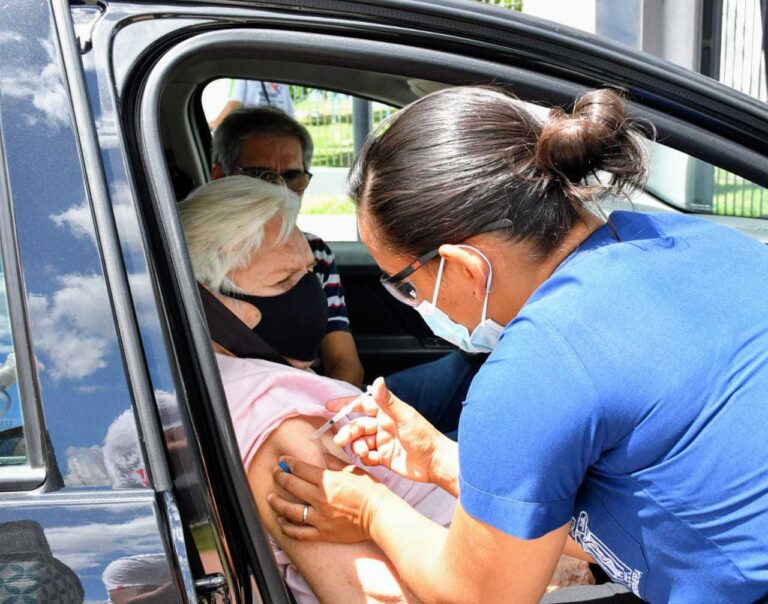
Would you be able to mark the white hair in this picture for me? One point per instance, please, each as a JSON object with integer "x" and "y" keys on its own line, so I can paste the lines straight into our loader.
{"x": 224, "y": 224}
{"x": 149, "y": 570}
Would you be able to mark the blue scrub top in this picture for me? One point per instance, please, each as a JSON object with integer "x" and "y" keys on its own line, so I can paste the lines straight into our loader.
{"x": 630, "y": 397}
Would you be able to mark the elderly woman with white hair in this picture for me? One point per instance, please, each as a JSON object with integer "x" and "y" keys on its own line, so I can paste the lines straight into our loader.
{"x": 247, "y": 251}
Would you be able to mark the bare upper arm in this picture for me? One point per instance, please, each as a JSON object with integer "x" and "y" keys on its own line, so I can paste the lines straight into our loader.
{"x": 335, "y": 572}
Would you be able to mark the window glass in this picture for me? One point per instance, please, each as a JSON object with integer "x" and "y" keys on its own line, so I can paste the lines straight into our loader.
{"x": 337, "y": 123}
{"x": 331, "y": 119}
{"x": 696, "y": 186}
{"x": 13, "y": 448}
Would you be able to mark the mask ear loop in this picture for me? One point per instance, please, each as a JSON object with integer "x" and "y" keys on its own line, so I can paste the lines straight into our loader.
{"x": 488, "y": 281}
{"x": 437, "y": 281}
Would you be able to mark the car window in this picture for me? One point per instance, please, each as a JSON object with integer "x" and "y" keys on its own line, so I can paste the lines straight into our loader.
{"x": 693, "y": 185}
{"x": 337, "y": 123}
{"x": 13, "y": 448}
{"x": 332, "y": 119}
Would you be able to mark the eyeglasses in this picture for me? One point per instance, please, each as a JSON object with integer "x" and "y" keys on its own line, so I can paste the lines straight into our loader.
{"x": 296, "y": 180}
{"x": 403, "y": 290}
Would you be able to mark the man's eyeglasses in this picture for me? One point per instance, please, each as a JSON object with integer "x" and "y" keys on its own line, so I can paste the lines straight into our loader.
{"x": 403, "y": 290}
{"x": 296, "y": 180}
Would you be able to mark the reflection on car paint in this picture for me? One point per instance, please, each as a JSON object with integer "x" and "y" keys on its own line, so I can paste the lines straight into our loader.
{"x": 92, "y": 539}
{"x": 82, "y": 382}
{"x": 29, "y": 572}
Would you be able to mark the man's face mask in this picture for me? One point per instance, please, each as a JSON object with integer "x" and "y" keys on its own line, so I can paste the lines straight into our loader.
{"x": 483, "y": 338}
{"x": 293, "y": 323}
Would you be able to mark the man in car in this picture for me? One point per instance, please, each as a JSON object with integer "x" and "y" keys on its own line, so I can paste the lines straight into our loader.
{"x": 266, "y": 143}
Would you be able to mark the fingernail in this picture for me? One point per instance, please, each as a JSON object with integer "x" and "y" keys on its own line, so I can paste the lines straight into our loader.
{"x": 284, "y": 466}
{"x": 270, "y": 496}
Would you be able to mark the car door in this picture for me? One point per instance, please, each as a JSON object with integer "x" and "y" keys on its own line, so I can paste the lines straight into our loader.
{"x": 145, "y": 56}
{"x": 86, "y": 511}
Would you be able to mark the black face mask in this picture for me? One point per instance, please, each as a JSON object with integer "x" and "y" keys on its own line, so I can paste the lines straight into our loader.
{"x": 292, "y": 323}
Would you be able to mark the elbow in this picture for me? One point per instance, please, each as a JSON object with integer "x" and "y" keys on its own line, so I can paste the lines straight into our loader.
{"x": 347, "y": 370}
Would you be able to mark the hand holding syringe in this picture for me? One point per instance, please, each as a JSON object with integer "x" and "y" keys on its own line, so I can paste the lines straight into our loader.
{"x": 393, "y": 434}
{"x": 341, "y": 413}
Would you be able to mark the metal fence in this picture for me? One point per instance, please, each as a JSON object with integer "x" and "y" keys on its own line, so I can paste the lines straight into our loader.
{"x": 741, "y": 66}
{"x": 329, "y": 116}
{"x": 513, "y": 4}
{"x": 742, "y": 59}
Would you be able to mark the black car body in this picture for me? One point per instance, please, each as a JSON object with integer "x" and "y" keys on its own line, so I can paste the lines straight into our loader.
{"x": 102, "y": 309}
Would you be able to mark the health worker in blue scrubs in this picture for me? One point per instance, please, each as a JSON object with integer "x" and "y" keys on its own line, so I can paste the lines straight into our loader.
{"x": 623, "y": 413}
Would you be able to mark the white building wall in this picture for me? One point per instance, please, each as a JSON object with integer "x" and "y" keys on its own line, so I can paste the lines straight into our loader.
{"x": 574, "y": 13}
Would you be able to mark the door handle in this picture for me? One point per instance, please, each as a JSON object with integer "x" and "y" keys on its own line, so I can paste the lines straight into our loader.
{"x": 212, "y": 589}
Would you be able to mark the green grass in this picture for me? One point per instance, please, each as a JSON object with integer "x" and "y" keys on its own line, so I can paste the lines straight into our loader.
{"x": 327, "y": 204}
{"x": 735, "y": 196}
{"x": 334, "y": 144}
{"x": 203, "y": 537}
{"x": 513, "y": 4}
{"x": 328, "y": 117}
{"x": 333, "y": 137}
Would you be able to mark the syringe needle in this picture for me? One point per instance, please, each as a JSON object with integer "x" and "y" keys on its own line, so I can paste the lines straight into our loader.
{"x": 340, "y": 414}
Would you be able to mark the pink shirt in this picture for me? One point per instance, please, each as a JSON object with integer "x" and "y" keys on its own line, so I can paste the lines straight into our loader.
{"x": 261, "y": 395}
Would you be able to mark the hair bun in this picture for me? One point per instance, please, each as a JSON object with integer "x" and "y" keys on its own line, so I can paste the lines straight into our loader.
{"x": 572, "y": 145}
{"x": 596, "y": 136}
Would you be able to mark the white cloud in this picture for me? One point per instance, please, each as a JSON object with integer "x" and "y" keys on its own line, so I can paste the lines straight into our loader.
{"x": 82, "y": 299}
{"x": 80, "y": 222}
{"x": 86, "y": 467}
{"x": 125, "y": 215}
{"x": 90, "y": 389}
{"x": 78, "y": 219}
{"x": 75, "y": 326}
{"x": 44, "y": 89}
{"x": 78, "y": 326}
{"x": 72, "y": 326}
{"x": 6, "y": 341}
{"x": 91, "y": 545}
{"x": 141, "y": 288}
{"x": 8, "y": 37}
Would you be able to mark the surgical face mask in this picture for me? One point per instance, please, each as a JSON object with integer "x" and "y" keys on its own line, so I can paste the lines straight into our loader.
{"x": 293, "y": 323}
{"x": 483, "y": 338}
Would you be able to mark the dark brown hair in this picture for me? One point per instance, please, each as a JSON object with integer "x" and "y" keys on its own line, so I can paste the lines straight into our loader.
{"x": 459, "y": 159}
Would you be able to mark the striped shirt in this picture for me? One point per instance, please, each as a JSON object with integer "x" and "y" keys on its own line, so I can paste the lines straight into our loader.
{"x": 325, "y": 269}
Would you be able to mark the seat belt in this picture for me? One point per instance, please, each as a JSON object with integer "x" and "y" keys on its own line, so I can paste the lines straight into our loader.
{"x": 231, "y": 333}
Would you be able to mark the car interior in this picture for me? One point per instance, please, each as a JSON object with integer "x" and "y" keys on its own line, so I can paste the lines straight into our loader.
{"x": 390, "y": 336}
{"x": 174, "y": 143}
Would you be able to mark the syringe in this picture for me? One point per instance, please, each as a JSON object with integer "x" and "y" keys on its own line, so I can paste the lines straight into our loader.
{"x": 341, "y": 413}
